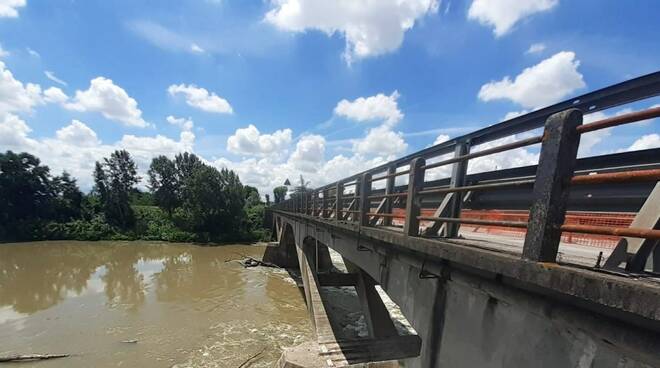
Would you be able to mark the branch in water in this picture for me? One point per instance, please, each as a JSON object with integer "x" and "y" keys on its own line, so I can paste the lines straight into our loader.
{"x": 23, "y": 358}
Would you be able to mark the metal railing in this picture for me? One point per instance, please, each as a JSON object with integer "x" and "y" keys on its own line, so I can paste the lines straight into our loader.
{"x": 352, "y": 199}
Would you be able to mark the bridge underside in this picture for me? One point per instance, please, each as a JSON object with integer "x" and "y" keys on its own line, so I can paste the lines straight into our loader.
{"x": 469, "y": 306}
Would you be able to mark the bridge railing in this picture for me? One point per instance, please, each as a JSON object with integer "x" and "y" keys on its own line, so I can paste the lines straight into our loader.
{"x": 369, "y": 198}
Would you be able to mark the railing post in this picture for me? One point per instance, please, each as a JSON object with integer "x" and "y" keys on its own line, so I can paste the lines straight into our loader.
{"x": 458, "y": 172}
{"x": 413, "y": 202}
{"x": 365, "y": 202}
{"x": 324, "y": 208}
{"x": 389, "y": 189}
{"x": 315, "y": 195}
{"x": 339, "y": 206}
{"x": 552, "y": 185}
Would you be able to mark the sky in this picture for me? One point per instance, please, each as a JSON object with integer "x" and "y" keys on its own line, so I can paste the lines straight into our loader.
{"x": 274, "y": 89}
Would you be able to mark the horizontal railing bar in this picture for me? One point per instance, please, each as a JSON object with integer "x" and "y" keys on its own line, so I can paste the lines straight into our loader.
{"x": 466, "y": 188}
{"x": 618, "y": 177}
{"x": 633, "y": 232}
{"x": 620, "y": 120}
{"x": 402, "y": 172}
{"x": 505, "y": 147}
{"x": 519, "y": 224}
{"x": 373, "y": 214}
{"x": 377, "y": 196}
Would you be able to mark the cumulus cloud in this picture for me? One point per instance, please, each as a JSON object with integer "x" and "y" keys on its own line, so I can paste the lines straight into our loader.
{"x": 535, "y": 48}
{"x": 3, "y": 52}
{"x": 9, "y": 8}
{"x": 201, "y": 99}
{"x": 50, "y": 75}
{"x": 196, "y": 49}
{"x": 55, "y": 95}
{"x": 540, "y": 85}
{"x": 378, "y": 107}
{"x": 249, "y": 141}
{"x": 184, "y": 124}
{"x": 74, "y": 148}
{"x": 77, "y": 134}
{"x": 502, "y": 15}
{"x": 645, "y": 142}
{"x": 442, "y": 138}
{"x": 309, "y": 153}
{"x": 110, "y": 100}
{"x": 16, "y": 96}
{"x": 381, "y": 141}
{"x": 370, "y": 27}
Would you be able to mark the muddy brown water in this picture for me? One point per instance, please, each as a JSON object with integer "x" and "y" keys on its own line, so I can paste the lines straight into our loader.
{"x": 187, "y": 306}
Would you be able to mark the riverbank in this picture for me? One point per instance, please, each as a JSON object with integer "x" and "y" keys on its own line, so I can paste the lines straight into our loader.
{"x": 151, "y": 224}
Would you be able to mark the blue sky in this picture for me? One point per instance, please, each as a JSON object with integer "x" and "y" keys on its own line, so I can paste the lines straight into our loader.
{"x": 273, "y": 89}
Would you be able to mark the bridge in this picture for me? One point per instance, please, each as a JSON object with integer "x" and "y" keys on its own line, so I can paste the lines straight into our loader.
{"x": 452, "y": 268}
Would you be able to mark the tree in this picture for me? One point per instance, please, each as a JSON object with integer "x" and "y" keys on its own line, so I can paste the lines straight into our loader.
{"x": 25, "y": 194}
{"x": 164, "y": 184}
{"x": 279, "y": 193}
{"x": 252, "y": 197}
{"x": 115, "y": 179}
{"x": 67, "y": 201}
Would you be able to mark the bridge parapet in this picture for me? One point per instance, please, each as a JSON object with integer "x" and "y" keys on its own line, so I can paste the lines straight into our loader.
{"x": 370, "y": 198}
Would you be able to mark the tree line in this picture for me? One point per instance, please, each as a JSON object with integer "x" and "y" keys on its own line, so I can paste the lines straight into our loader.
{"x": 187, "y": 200}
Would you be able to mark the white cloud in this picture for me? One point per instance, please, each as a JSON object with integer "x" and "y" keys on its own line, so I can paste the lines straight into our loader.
{"x": 309, "y": 153}
{"x": 502, "y": 15}
{"x": 184, "y": 124}
{"x": 3, "y": 52}
{"x": 503, "y": 160}
{"x": 442, "y": 138}
{"x": 542, "y": 84}
{"x": 645, "y": 142}
{"x": 74, "y": 148}
{"x": 110, "y": 100}
{"x": 201, "y": 99}
{"x": 249, "y": 141}
{"x": 196, "y": 48}
{"x": 378, "y": 107}
{"x": 14, "y": 133}
{"x": 77, "y": 134}
{"x": 514, "y": 114}
{"x": 370, "y": 27}
{"x": 14, "y": 95}
{"x": 32, "y": 52}
{"x": 9, "y": 8}
{"x": 55, "y": 95}
{"x": 381, "y": 141}
{"x": 535, "y": 48}
{"x": 50, "y": 75}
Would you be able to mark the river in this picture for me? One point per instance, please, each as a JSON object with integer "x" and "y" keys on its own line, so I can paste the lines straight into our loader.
{"x": 145, "y": 304}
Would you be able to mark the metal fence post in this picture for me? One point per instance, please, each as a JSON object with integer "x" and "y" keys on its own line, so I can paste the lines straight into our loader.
{"x": 325, "y": 203}
{"x": 552, "y": 185}
{"x": 458, "y": 172}
{"x": 339, "y": 202}
{"x": 315, "y": 195}
{"x": 413, "y": 203}
{"x": 365, "y": 202}
{"x": 389, "y": 189}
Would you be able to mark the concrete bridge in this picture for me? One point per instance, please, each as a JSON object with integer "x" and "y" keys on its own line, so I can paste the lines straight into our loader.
{"x": 480, "y": 298}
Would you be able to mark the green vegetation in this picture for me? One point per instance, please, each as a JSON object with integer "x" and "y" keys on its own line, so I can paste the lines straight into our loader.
{"x": 187, "y": 201}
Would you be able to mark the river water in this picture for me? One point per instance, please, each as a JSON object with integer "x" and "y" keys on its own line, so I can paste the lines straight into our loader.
{"x": 180, "y": 305}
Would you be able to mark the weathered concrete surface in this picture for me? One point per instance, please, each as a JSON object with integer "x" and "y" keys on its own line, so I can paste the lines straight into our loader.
{"x": 306, "y": 356}
{"x": 475, "y": 307}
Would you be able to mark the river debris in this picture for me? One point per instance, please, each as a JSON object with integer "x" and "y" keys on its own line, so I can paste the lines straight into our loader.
{"x": 133, "y": 341}
{"x": 251, "y": 262}
{"x": 30, "y": 357}
{"x": 249, "y": 360}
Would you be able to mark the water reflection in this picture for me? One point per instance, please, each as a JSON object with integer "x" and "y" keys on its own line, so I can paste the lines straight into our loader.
{"x": 35, "y": 277}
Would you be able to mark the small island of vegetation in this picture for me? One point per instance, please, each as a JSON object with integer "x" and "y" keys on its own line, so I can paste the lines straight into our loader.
{"x": 187, "y": 201}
